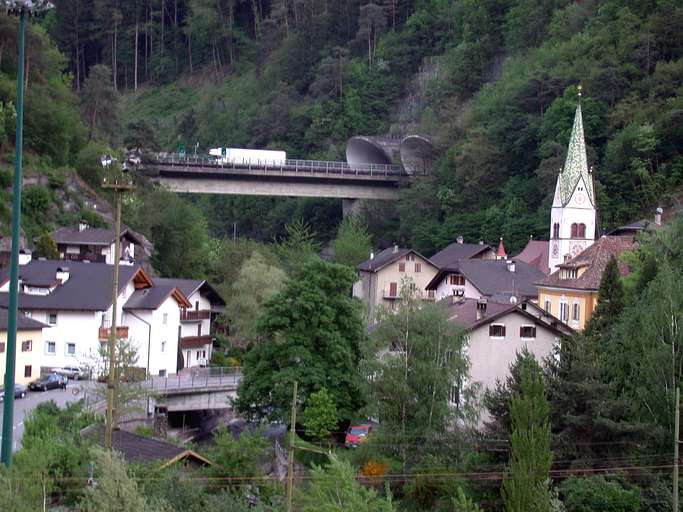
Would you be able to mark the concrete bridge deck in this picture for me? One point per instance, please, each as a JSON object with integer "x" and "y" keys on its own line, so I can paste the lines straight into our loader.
{"x": 289, "y": 178}
{"x": 196, "y": 389}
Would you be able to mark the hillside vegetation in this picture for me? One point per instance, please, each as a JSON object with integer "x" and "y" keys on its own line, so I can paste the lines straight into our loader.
{"x": 304, "y": 75}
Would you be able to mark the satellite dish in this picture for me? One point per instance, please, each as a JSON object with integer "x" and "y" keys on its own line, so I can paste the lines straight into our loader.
{"x": 513, "y": 300}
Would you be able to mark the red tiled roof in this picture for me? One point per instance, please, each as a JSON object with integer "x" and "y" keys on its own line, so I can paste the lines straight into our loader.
{"x": 501, "y": 250}
{"x": 535, "y": 254}
{"x": 595, "y": 258}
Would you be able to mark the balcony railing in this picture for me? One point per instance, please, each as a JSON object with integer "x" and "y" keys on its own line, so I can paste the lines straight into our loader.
{"x": 195, "y": 341}
{"x": 194, "y": 315}
{"x": 121, "y": 332}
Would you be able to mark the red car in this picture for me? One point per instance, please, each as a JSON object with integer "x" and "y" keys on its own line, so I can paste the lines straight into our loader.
{"x": 356, "y": 434}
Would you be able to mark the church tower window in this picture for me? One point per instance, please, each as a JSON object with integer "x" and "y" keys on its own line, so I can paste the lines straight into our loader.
{"x": 556, "y": 230}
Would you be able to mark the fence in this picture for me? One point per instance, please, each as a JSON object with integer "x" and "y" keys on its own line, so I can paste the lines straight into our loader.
{"x": 215, "y": 377}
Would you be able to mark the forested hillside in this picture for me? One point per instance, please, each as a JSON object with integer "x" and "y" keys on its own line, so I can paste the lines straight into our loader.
{"x": 304, "y": 75}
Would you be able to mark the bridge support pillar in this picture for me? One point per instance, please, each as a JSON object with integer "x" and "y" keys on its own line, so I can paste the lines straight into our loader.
{"x": 350, "y": 207}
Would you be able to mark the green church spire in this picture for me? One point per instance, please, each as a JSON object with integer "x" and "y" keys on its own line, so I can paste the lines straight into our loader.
{"x": 576, "y": 164}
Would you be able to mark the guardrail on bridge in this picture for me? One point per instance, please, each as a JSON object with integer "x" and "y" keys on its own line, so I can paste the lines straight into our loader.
{"x": 197, "y": 378}
{"x": 298, "y": 166}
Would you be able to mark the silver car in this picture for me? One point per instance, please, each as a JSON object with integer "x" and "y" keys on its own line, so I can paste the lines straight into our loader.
{"x": 70, "y": 372}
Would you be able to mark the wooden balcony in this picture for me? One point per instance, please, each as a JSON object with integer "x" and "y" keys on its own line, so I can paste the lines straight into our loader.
{"x": 195, "y": 315}
{"x": 121, "y": 333}
{"x": 195, "y": 341}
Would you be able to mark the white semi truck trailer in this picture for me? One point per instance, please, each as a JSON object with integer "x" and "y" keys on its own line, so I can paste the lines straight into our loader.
{"x": 248, "y": 156}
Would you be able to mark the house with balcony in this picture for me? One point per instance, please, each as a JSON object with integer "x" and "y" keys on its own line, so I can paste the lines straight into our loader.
{"x": 571, "y": 292}
{"x": 382, "y": 274}
{"x": 498, "y": 280}
{"x": 74, "y": 300}
{"x": 197, "y": 322}
{"x": 85, "y": 243}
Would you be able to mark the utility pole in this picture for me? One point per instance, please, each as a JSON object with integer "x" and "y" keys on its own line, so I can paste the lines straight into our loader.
{"x": 677, "y": 427}
{"x": 119, "y": 182}
{"x": 23, "y": 9}
{"x": 290, "y": 460}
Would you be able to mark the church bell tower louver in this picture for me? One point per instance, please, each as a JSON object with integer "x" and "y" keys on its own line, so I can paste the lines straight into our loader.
{"x": 573, "y": 217}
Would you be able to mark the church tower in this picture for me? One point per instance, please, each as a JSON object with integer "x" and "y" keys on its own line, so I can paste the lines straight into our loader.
{"x": 573, "y": 218}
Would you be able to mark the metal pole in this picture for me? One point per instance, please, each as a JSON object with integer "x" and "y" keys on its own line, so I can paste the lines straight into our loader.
{"x": 677, "y": 427}
{"x": 10, "y": 357}
{"x": 290, "y": 460}
{"x": 111, "y": 382}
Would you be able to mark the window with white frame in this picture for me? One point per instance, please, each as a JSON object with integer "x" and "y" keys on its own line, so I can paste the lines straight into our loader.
{"x": 576, "y": 311}
{"x": 497, "y": 331}
{"x": 527, "y": 332}
{"x": 52, "y": 318}
{"x": 165, "y": 319}
{"x": 51, "y": 347}
{"x": 564, "y": 311}
{"x": 457, "y": 279}
{"x": 70, "y": 349}
{"x": 27, "y": 346}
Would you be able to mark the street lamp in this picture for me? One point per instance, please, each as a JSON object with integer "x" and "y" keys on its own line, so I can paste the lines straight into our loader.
{"x": 22, "y": 8}
{"x": 118, "y": 179}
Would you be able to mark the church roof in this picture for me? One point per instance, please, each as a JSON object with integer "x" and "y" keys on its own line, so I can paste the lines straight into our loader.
{"x": 535, "y": 254}
{"x": 576, "y": 164}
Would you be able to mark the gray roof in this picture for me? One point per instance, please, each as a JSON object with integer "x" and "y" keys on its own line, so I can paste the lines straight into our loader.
{"x": 464, "y": 312}
{"x": 149, "y": 298}
{"x": 87, "y": 289}
{"x": 23, "y": 322}
{"x": 386, "y": 257}
{"x": 457, "y": 251}
{"x": 189, "y": 286}
{"x": 492, "y": 277}
{"x": 88, "y": 236}
{"x": 136, "y": 448}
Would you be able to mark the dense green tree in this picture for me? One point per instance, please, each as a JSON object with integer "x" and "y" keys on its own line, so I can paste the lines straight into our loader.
{"x": 352, "y": 245}
{"x": 115, "y": 491}
{"x": 312, "y": 331}
{"x": 335, "y": 488}
{"x": 587, "y": 494}
{"x": 256, "y": 283}
{"x": 610, "y": 299}
{"x": 99, "y": 101}
{"x": 526, "y": 483}
{"x": 415, "y": 366}
{"x": 46, "y": 247}
{"x": 497, "y": 400}
{"x": 176, "y": 228}
{"x": 320, "y": 415}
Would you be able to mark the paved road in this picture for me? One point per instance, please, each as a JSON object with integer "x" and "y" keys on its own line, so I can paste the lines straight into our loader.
{"x": 23, "y": 406}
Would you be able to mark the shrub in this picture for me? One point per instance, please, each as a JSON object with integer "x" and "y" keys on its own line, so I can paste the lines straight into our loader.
{"x": 587, "y": 494}
{"x": 233, "y": 361}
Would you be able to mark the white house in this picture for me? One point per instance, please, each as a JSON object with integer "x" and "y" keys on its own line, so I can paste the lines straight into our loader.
{"x": 497, "y": 332}
{"x": 75, "y": 300}
{"x": 97, "y": 244}
{"x": 197, "y": 321}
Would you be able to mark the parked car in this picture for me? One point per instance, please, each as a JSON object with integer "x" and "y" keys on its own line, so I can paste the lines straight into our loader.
{"x": 356, "y": 434}
{"x": 51, "y": 381}
{"x": 70, "y": 372}
{"x": 20, "y": 391}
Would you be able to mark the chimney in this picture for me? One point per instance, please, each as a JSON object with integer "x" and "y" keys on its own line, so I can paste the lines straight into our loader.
{"x": 24, "y": 257}
{"x": 460, "y": 239}
{"x": 481, "y": 242}
{"x": 395, "y": 248}
{"x": 62, "y": 274}
{"x": 82, "y": 226}
{"x": 511, "y": 265}
{"x": 658, "y": 216}
{"x": 481, "y": 307}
